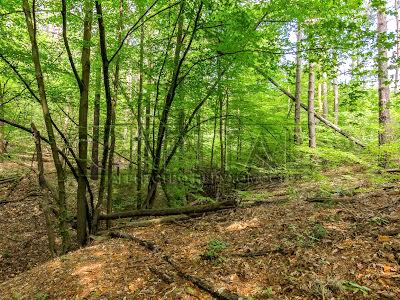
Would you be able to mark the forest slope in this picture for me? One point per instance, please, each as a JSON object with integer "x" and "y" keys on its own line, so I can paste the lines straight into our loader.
{"x": 283, "y": 246}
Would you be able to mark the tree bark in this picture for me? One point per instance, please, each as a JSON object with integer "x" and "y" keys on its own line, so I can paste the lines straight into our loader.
{"x": 113, "y": 120}
{"x": 384, "y": 135}
{"x": 297, "y": 112}
{"x": 82, "y": 233}
{"x": 324, "y": 96}
{"x": 109, "y": 108}
{"x": 336, "y": 99}
{"x": 96, "y": 129}
{"x": 31, "y": 26}
{"x": 311, "y": 113}
{"x": 139, "y": 173}
{"x": 42, "y": 184}
{"x": 169, "y": 211}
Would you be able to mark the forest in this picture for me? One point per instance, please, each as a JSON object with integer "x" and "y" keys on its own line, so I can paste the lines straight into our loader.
{"x": 199, "y": 149}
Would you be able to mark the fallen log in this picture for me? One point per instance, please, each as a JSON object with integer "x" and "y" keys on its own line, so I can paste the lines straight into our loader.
{"x": 9, "y": 179}
{"x": 157, "y": 221}
{"x": 147, "y": 244}
{"x": 222, "y": 294}
{"x": 162, "y": 275}
{"x": 188, "y": 210}
{"x": 317, "y": 116}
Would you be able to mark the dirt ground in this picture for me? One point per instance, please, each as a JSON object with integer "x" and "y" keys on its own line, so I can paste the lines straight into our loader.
{"x": 333, "y": 238}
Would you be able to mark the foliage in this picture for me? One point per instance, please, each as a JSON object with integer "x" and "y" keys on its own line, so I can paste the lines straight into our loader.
{"x": 213, "y": 252}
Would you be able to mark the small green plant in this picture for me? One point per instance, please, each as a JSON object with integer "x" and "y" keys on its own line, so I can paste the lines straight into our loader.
{"x": 268, "y": 292}
{"x": 6, "y": 254}
{"x": 379, "y": 221}
{"x": 354, "y": 287}
{"x": 317, "y": 232}
{"x": 40, "y": 296}
{"x": 292, "y": 192}
{"x": 213, "y": 252}
{"x": 15, "y": 295}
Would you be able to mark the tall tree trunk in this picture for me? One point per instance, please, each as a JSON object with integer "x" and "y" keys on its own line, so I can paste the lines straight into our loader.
{"x": 311, "y": 108}
{"x": 324, "y": 96}
{"x": 147, "y": 136}
{"x": 336, "y": 98}
{"x": 139, "y": 121}
{"x": 82, "y": 233}
{"x": 62, "y": 205}
{"x": 109, "y": 108}
{"x": 383, "y": 79}
{"x": 320, "y": 105}
{"x": 199, "y": 141}
{"x": 239, "y": 140}
{"x": 297, "y": 111}
{"x": 214, "y": 134}
{"x": 113, "y": 121}
{"x": 96, "y": 124}
{"x": 221, "y": 129}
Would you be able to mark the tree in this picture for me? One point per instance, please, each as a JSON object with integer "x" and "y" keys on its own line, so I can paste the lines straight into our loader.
{"x": 384, "y": 135}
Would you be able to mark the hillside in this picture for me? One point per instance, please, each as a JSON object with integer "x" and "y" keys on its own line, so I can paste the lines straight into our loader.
{"x": 285, "y": 241}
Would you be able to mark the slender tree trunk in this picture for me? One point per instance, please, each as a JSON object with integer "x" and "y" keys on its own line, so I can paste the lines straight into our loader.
{"x": 239, "y": 140}
{"x": 147, "y": 136}
{"x": 297, "y": 112}
{"x": 113, "y": 121}
{"x": 31, "y": 26}
{"x": 96, "y": 129}
{"x": 42, "y": 184}
{"x": 199, "y": 149}
{"x": 221, "y": 124}
{"x": 178, "y": 61}
{"x": 383, "y": 79}
{"x": 320, "y": 105}
{"x": 324, "y": 96}
{"x": 336, "y": 99}
{"x": 311, "y": 108}
{"x": 82, "y": 233}
{"x": 139, "y": 121}
{"x": 226, "y": 130}
{"x": 109, "y": 108}
{"x": 214, "y": 135}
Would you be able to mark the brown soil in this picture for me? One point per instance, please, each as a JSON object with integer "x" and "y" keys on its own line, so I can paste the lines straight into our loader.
{"x": 346, "y": 248}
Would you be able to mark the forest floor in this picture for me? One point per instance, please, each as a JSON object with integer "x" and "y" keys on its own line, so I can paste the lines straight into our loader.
{"x": 337, "y": 237}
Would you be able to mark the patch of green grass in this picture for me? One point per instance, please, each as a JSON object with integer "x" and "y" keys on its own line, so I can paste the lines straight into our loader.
{"x": 213, "y": 252}
{"x": 6, "y": 254}
{"x": 318, "y": 232}
{"x": 379, "y": 221}
{"x": 41, "y": 296}
{"x": 354, "y": 287}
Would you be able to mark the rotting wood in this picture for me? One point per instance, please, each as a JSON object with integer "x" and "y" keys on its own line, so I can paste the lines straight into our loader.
{"x": 222, "y": 294}
{"x": 170, "y": 211}
{"x": 147, "y": 244}
{"x": 25, "y": 198}
{"x": 162, "y": 275}
{"x": 8, "y": 179}
{"x": 157, "y": 221}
